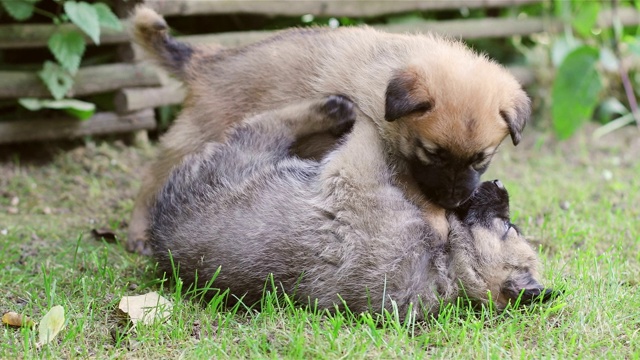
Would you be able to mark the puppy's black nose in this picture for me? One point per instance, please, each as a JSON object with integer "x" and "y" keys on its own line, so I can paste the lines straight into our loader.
{"x": 530, "y": 296}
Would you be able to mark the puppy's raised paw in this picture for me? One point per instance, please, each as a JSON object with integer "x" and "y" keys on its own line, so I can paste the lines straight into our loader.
{"x": 342, "y": 110}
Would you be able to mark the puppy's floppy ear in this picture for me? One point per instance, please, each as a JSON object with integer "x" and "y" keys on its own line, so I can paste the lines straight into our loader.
{"x": 517, "y": 118}
{"x": 404, "y": 95}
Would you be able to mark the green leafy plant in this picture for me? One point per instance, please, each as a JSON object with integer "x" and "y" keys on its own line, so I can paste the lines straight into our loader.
{"x": 576, "y": 90}
{"x": 587, "y": 57}
{"x": 67, "y": 47}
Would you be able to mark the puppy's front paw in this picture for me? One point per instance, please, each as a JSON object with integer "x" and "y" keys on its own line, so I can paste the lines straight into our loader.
{"x": 139, "y": 245}
{"x": 342, "y": 110}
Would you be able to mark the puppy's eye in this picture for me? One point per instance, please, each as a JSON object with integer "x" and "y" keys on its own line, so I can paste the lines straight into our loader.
{"x": 480, "y": 161}
{"x": 434, "y": 156}
{"x": 507, "y": 226}
{"x": 439, "y": 156}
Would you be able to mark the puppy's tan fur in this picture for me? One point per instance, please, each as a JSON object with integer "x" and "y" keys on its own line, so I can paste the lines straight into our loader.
{"x": 422, "y": 92}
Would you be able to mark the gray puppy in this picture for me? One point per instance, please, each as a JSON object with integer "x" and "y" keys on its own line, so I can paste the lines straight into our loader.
{"x": 333, "y": 230}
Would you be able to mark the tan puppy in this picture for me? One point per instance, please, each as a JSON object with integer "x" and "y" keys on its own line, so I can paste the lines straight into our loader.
{"x": 333, "y": 230}
{"x": 441, "y": 109}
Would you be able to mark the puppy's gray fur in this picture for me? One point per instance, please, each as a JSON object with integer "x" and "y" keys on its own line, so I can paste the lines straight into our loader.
{"x": 328, "y": 231}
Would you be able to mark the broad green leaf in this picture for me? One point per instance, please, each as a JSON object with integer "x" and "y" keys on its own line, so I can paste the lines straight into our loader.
{"x": 614, "y": 125}
{"x": 79, "y": 109}
{"x": 50, "y": 325}
{"x": 561, "y": 47}
{"x": 586, "y": 17}
{"x": 608, "y": 59}
{"x": 30, "y": 103}
{"x": 68, "y": 48}
{"x": 562, "y": 8}
{"x": 106, "y": 17}
{"x": 575, "y": 91}
{"x": 633, "y": 43}
{"x": 58, "y": 81}
{"x": 85, "y": 17}
{"x": 347, "y": 21}
{"x": 19, "y": 9}
{"x": 612, "y": 106}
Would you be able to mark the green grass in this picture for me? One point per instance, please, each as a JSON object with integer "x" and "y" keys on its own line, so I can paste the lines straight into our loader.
{"x": 577, "y": 200}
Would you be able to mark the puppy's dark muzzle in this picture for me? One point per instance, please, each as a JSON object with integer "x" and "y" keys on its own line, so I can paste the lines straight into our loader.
{"x": 449, "y": 204}
{"x": 536, "y": 295}
{"x": 455, "y": 199}
{"x": 447, "y": 186}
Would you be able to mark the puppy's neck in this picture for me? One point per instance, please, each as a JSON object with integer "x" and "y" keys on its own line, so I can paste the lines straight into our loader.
{"x": 433, "y": 214}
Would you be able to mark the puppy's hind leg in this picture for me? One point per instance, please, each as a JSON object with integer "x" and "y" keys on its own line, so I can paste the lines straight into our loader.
{"x": 267, "y": 137}
{"x": 335, "y": 114}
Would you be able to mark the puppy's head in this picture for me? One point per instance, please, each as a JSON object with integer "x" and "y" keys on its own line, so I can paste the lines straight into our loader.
{"x": 490, "y": 254}
{"x": 448, "y": 111}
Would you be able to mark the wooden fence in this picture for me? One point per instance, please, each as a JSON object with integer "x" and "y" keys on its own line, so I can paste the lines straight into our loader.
{"x": 138, "y": 87}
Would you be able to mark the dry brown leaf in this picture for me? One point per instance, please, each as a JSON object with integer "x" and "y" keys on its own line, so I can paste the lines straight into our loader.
{"x": 15, "y": 319}
{"x": 50, "y": 325}
{"x": 145, "y": 309}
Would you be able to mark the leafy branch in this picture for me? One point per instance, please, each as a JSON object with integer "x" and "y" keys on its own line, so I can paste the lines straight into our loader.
{"x": 67, "y": 46}
{"x": 624, "y": 74}
{"x": 582, "y": 55}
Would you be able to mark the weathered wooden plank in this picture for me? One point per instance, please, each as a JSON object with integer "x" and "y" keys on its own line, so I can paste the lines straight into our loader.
{"x": 466, "y": 29}
{"x": 66, "y": 128}
{"x": 355, "y": 8}
{"x": 149, "y": 97}
{"x": 524, "y": 74}
{"x": 463, "y": 28}
{"x": 628, "y": 17}
{"x": 474, "y": 28}
{"x": 89, "y": 80}
{"x": 174, "y": 93}
{"x": 36, "y": 35}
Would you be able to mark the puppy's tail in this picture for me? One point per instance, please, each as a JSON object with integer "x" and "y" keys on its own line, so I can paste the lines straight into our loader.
{"x": 150, "y": 31}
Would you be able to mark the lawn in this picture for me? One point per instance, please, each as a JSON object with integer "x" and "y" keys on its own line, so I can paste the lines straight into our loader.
{"x": 576, "y": 200}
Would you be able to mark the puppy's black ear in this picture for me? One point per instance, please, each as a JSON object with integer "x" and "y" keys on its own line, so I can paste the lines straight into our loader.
{"x": 517, "y": 118}
{"x": 404, "y": 97}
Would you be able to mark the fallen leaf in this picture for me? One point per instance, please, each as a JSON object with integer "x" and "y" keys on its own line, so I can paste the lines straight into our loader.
{"x": 51, "y": 324}
{"x": 15, "y": 319}
{"x": 145, "y": 308}
{"x": 104, "y": 234}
